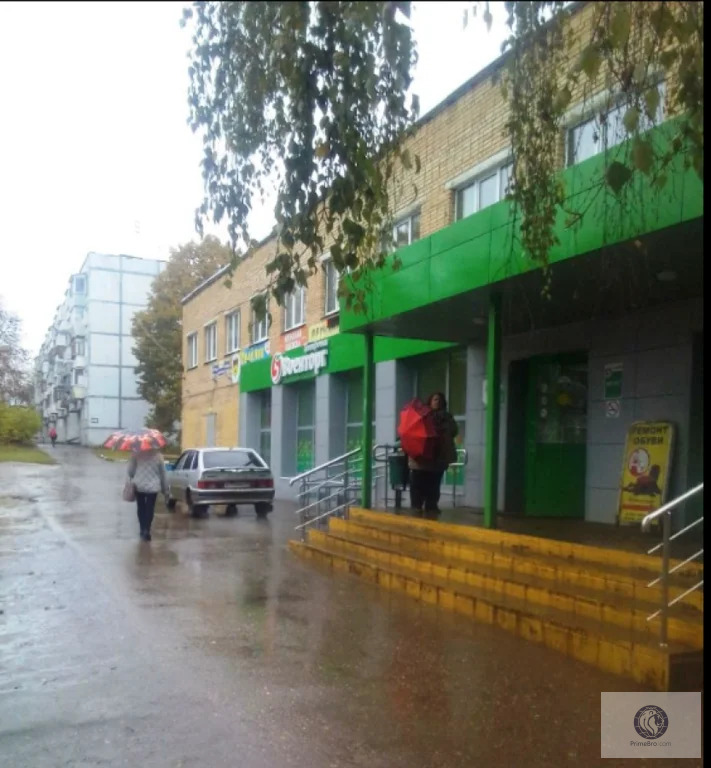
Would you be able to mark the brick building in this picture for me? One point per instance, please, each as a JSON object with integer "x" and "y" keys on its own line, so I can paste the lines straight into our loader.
{"x": 464, "y": 287}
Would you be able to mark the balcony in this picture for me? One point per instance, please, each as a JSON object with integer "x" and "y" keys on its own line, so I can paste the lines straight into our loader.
{"x": 60, "y": 342}
{"x": 79, "y": 362}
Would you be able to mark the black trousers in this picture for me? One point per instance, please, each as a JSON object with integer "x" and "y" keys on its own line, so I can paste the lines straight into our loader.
{"x": 425, "y": 488}
{"x": 146, "y": 503}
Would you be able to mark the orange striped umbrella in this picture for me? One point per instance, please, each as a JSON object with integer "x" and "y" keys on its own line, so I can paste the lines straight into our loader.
{"x": 139, "y": 440}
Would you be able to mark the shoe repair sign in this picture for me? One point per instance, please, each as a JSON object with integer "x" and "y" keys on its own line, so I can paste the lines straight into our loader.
{"x": 645, "y": 472}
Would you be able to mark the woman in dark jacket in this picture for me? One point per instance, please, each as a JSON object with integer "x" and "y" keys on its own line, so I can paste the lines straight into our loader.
{"x": 426, "y": 476}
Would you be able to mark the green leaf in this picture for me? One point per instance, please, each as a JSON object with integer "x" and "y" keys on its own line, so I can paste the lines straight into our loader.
{"x": 651, "y": 100}
{"x": 631, "y": 119}
{"x": 405, "y": 158}
{"x": 620, "y": 25}
{"x": 639, "y": 75}
{"x": 590, "y": 61}
{"x": 643, "y": 155}
{"x": 617, "y": 175}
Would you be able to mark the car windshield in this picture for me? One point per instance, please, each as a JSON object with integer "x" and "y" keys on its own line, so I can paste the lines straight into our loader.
{"x": 231, "y": 460}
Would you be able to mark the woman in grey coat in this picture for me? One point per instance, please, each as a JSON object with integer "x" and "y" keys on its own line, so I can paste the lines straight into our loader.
{"x": 146, "y": 469}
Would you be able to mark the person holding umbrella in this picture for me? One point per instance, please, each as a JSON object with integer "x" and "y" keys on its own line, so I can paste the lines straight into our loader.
{"x": 427, "y": 434}
{"x": 146, "y": 471}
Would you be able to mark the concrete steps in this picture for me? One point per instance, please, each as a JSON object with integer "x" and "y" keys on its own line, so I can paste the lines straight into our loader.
{"x": 585, "y": 601}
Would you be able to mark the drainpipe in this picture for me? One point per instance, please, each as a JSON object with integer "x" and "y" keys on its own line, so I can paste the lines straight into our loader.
{"x": 367, "y": 439}
{"x": 120, "y": 330}
{"x": 493, "y": 390}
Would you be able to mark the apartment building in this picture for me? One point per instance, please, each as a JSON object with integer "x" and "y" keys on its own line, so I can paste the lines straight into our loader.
{"x": 85, "y": 385}
{"x": 465, "y": 312}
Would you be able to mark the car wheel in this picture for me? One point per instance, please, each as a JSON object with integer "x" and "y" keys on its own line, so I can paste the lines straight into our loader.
{"x": 262, "y": 509}
{"x": 231, "y": 510}
{"x": 196, "y": 510}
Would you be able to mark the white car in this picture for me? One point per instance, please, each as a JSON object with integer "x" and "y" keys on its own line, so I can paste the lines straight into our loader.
{"x": 230, "y": 476}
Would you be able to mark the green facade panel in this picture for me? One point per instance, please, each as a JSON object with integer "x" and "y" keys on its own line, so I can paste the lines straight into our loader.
{"x": 485, "y": 248}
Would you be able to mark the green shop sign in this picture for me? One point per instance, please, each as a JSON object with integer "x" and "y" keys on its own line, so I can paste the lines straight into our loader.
{"x": 311, "y": 358}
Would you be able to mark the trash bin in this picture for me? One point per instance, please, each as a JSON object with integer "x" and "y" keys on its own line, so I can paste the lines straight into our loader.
{"x": 398, "y": 470}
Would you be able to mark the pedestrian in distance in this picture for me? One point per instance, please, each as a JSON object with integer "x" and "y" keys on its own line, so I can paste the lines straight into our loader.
{"x": 426, "y": 474}
{"x": 53, "y": 436}
{"x": 146, "y": 469}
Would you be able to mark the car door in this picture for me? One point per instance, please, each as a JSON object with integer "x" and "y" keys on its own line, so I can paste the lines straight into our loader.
{"x": 192, "y": 474}
{"x": 176, "y": 478}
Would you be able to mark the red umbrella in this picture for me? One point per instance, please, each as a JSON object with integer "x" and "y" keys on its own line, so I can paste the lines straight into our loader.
{"x": 417, "y": 432}
{"x": 139, "y": 440}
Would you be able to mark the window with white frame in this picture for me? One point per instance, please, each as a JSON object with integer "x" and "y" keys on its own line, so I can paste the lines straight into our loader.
{"x": 192, "y": 350}
{"x": 406, "y": 230}
{"x": 332, "y": 277}
{"x": 210, "y": 342}
{"x": 232, "y": 331}
{"x": 294, "y": 308}
{"x": 483, "y": 191}
{"x": 260, "y": 328}
{"x": 78, "y": 347}
{"x": 80, "y": 284}
{"x": 605, "y": 130}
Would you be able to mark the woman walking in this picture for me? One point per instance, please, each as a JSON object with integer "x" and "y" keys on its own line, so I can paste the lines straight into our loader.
{"x": 146, "y": 469}
{"x": 426, "y": 475}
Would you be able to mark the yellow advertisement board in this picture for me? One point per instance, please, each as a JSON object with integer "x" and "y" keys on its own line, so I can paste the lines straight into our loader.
{"x": 645, "y": 471}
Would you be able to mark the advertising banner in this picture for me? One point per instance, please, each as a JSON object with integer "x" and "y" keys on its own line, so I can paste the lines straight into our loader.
{"x": 645, "y": 471}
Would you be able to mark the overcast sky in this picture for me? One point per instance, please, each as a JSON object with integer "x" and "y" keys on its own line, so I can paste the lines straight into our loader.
{"x": 95, "y": 150}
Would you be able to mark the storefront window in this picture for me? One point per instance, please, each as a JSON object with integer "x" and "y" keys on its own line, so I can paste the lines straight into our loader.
{"x": 305, "y": 431}
{"x": 265, "y": 425}
{"x": 354, "y": 410}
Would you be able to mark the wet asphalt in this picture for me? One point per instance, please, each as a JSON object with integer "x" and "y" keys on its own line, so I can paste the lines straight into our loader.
{"x": 214, "y": 646}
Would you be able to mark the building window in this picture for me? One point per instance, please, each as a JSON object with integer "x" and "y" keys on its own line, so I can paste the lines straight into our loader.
{"x": 192, "y": 350}
{"x": 305, "y": 426}
{"x": 260, "y": 328}
{"x": 265, "y": 425}
{"x": 483, "y": 191}
{"x": 294, "y": 309}
{"x": 210, "y": 342}
{"x": 78, "y": 347}
{"x": 80, "y": 284}
{"x": 354, "y": 410}
{"x": 79, "y": 377}
{"x": 406, "y": 230}
{"x": 232, "y": 331}
{"x": 332, "y": 277}
{"x": 604, "y": 131}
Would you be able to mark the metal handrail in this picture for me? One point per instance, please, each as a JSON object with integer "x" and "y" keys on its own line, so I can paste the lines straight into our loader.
{"x": 665, "y": 512}
{"x": 323, "y": 466}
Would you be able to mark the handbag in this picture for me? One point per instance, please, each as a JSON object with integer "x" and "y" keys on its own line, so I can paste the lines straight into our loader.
{"x": 129, "y": 491}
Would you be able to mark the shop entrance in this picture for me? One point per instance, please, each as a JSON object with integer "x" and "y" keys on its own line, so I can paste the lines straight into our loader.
{"x": 556, "y": 436}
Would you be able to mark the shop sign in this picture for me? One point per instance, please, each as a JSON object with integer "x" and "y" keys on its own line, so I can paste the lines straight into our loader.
{"x": 314, "y": 358}
{"x": 612, "y": 409}
{"x": 254, "y": 353}
{"x": 321, "y": 331}
{"x": 613, "y": 381}
{"x": 218, "y": 370}
{"x": 646, "y": 468}
{"x": 236, "y": 365}
{"x": 292, "y": 339}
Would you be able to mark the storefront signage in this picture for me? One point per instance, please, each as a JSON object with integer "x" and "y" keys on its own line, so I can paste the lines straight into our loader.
{"x": 254, "y": 353}
{"x": 218, "y": 370}
{"x": 612, "y": 409}
{"x": 314, "y": 358}
{"x": 646, "y": 468}
{"x": 613, "y": 381}
{"x": 292, "y": 339}
{"x": 322, "y": 330}
{"x": 236, "y": 365}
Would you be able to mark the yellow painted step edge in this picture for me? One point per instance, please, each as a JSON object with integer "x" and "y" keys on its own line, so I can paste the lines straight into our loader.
{"x": 566, "y": 549}
{"x": 644, "y": 664}
{"x": 679, "y": 631}
{"x": 573, "y": 574}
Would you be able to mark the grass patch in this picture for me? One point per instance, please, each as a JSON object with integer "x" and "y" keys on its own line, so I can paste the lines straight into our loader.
{"x": 27, "y": 454}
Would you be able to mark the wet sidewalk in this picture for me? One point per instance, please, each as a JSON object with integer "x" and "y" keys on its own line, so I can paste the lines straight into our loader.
{"x": 213, "y": 646}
